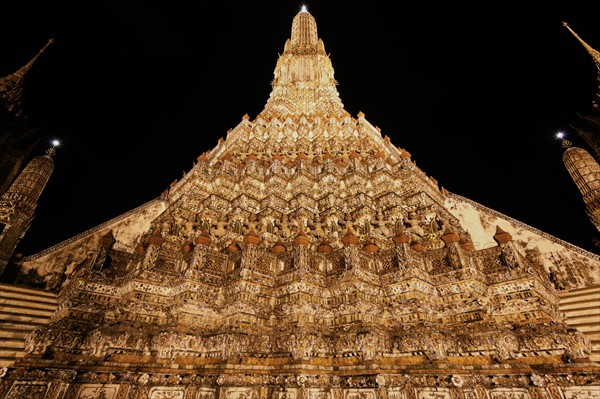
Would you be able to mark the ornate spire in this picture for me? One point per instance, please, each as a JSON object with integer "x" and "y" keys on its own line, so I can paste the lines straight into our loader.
{"x": 585, "y": 172}
{"x": 18, "y": 203}
{"x": 591, "y": 132}
{"x": 11, "y": 86}
{"x": 28, "y": 186}
{"x": 304, "y": 119}
{"x": 595, "y": 54}
{"x": 303, "y": 159}
{"x": 18, "y": 139}
{"x": 304, "y": 82}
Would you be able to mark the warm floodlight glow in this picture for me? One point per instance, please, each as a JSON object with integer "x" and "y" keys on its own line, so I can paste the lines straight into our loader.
{"x": 304, "y": 9}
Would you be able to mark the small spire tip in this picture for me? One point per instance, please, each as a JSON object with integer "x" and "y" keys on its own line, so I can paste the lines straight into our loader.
{"x": 52, "y": 150}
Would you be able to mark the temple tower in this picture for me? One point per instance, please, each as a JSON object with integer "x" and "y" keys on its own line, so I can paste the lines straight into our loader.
{"x": 585, "y": 172}
{"x": 305, "y": 256}
{"x": 18, "y": 139}
{"x": 18, "y": 203}
{"x": 581, "y": 165}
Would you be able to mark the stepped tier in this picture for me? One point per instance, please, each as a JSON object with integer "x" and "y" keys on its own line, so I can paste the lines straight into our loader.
{"x": 303, "y": 303}
{"x": 326, "y": 191}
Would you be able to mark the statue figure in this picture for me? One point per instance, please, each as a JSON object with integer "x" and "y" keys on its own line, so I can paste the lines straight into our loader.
{"x": 414, "y": 225}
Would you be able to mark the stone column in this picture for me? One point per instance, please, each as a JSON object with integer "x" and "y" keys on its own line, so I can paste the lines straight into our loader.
{"x": 153, "y": 247}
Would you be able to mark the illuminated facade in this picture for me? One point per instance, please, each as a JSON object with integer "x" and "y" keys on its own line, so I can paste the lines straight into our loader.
{"x": 308, "y": 257}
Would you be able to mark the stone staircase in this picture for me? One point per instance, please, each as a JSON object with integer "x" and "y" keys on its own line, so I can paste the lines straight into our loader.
{"x": 582, "y": 308}
{"x": 21, "y": 311}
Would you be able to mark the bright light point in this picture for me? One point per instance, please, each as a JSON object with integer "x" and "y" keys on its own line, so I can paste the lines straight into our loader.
{"x": 304, "y": 9}
{"x": 560, "y": 135}
{"x": 55, "y": 143}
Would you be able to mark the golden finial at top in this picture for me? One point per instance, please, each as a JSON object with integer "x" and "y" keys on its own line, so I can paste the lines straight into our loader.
{"x": 52, "y": 150}
{"x": 564, "y": 142}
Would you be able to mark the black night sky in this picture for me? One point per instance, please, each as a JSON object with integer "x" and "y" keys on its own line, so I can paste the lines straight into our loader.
{"x": 136, "y": 91}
